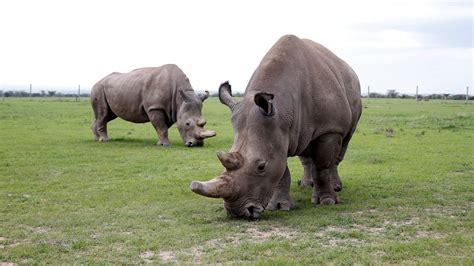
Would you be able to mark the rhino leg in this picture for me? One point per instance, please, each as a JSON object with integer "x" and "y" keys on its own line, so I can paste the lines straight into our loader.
{"x": 281, "y": 195}
{"x": 336, "y": 179}
{"x": 326, "y": 150}
{"x": 94, "y": 130}
{"x": 103, "y": 114}
{"x": 307, "y": 179}
{"x": 158, "y": 120}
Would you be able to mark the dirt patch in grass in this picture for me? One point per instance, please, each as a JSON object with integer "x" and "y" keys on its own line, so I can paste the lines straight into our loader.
{"x": 2, "y": 263}
{"x": 412, "y": 221}
{"x": 147, "y": 256}
{"x": 254, "y": 234}
{"x": 370, "y": 230}
{"x": 167, "y": 256}
{"x": 40, "y": 230}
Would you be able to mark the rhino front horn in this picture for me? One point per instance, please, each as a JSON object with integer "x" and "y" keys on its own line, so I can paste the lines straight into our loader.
{"x": 206, "y": 134}
{"x": 215, "y": 188}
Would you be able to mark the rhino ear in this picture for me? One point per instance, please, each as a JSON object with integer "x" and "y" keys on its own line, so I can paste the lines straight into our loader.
{"x": 265, "y": 102}
{"x": 225, "y": 95}
{"x": 186, "y": 97}
{"x": 205, "y": 96}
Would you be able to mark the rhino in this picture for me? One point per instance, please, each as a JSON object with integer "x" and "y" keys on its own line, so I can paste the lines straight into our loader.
{"x": 160, "y": 95}
{"x": 302, "y": 100}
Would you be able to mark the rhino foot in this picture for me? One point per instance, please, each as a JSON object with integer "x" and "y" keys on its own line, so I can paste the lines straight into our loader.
{"x": 163, "y": 143}
{"x": 324, "y": 198}
{"x": 337, "y": 186}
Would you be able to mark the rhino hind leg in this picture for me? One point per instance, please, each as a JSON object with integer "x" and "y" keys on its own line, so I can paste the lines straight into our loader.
{"x": 281, "y": 195}
{"x": 326, "y": 150}
{"x": 307, "y": 179}
{"x": 103, "y": 115}
{"x": 336, "y": 179}
{"x": 94, "y": 130}
{"x": 158, "y": 120}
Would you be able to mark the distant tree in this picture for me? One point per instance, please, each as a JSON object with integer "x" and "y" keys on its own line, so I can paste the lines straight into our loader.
{"x": 51, "y": 93}
{"x": 392, "y": 93}
{"x": 43, "y": 93}
{"x": 376, "y": 95}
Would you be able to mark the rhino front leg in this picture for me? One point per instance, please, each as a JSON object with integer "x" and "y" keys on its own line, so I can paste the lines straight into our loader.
{"x": 281, "y": 195}
{"x": 326, "y": 150}
{"x": 308, "y": 167}
{"x": 158, "y": 120}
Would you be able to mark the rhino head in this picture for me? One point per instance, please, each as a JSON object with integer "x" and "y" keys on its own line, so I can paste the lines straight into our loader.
{"x": 256, "y": 161}
{"x": 190, "y": 124}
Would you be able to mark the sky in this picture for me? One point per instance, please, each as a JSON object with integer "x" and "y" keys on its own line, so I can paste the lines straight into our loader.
{"x": 391, "y": 45}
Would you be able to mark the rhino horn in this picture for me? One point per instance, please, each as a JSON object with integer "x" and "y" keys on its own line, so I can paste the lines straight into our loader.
{"x": 201, "y": 122}
{"x": 204, "y": 134}
{"x": 205, "y": 96}
{"x": 218, "y": 187}
{"x": 225, "y": 95}
{"x": 230, "y": 160}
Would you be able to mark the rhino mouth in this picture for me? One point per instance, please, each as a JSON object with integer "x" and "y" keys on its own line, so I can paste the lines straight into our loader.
{"x": 195, "y": 143}
{"x": 249, "y": 211}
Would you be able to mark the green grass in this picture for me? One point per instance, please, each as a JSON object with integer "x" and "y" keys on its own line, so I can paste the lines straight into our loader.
{"x": 407, "y": 199}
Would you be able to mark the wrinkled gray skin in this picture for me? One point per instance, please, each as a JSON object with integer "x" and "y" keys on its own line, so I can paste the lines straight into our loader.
{"x": 160, "y": 95}
{"x": 302, "y": 100}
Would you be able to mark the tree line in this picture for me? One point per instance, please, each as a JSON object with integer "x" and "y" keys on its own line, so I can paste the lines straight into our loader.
{"x": 41, "y": 94}
{"x": 433, "y": 96}
{"x": 389, "y": 94}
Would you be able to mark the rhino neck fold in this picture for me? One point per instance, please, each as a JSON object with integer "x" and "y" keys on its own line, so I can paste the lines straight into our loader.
{"x": 175, "y": 105}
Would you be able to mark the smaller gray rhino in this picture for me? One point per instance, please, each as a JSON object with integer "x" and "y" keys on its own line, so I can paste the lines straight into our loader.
{"x": 160, "y": 95}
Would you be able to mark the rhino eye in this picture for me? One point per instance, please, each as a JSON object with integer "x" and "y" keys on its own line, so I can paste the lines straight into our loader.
{"x": 261, "y": 166}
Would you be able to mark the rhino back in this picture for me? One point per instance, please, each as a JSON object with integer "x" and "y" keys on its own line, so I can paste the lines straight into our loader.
{"x": 131, "y": 95}
{"x": 315, "y": 92}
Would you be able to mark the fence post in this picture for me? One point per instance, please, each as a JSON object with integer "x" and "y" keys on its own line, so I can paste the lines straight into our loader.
{"x": 368, "y": 93}
{"x": 78, "y": 93}
{"x": 30, "y": 89}
{"x": 467, "y": 94}
{"x": 416, "y": 97}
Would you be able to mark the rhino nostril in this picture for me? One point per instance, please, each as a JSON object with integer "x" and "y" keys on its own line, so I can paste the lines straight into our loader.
{"x": 250, "y": 209}
{"x": 189, "y": 144}
{"x": 254, "y": 212}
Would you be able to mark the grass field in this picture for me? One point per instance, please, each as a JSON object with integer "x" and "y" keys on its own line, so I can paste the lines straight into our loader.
{"x": 408, "y": 193}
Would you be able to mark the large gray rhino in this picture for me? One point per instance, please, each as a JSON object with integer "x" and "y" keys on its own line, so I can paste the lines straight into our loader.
{"x": 302, "y": 100}
{"x": 160, "y": 95}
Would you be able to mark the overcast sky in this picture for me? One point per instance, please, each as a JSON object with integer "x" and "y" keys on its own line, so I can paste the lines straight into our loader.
{"x": 390, "y": 44}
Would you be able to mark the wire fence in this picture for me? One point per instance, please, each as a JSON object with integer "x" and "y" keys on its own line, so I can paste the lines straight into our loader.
{"x": 81, "y": 92}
